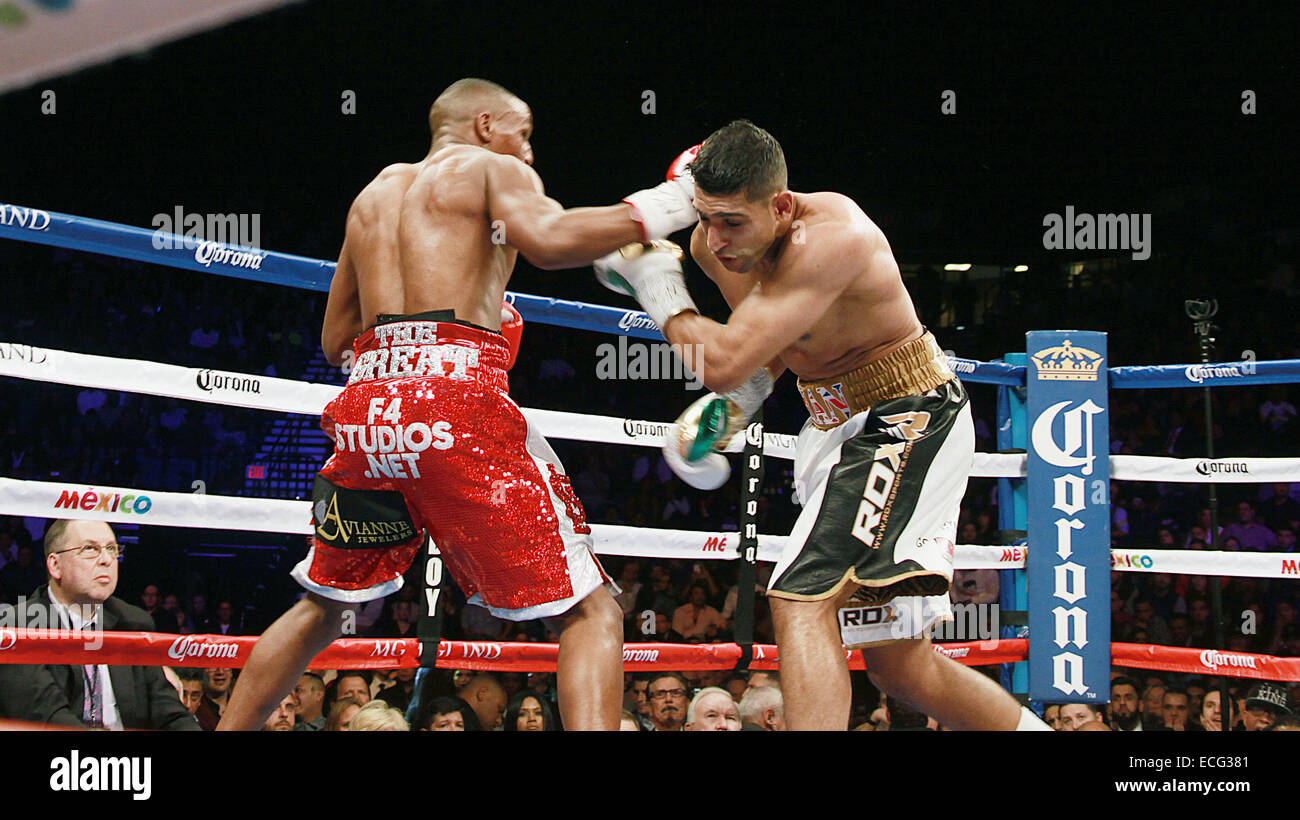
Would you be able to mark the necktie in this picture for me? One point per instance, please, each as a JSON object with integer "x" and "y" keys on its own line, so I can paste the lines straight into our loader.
{"x": 92, "y": 709}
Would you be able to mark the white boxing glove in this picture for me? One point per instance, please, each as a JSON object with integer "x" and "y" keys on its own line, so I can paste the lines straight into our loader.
{"x": 650, "y": 273}
{"x": 694, "y": 444}
{"x": 669, "y": 206}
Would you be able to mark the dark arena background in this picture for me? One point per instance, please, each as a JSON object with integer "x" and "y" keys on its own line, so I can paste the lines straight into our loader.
{"x": 959, "y": 132}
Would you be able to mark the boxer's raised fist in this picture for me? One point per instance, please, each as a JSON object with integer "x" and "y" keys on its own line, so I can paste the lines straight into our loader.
{"x": 669, "y": 206}
{"x": 678, "y": 169}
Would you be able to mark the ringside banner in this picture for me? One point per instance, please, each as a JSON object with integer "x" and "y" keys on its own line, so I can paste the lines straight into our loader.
{"x": 1069, "y": 522}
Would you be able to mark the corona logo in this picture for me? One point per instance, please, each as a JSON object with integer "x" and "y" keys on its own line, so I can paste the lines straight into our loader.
{"x": 192, "y": 646}
{"x": 1213, "y": 659}
{"x": 1067, "y": 363}
{"x": 636, "y": 320}
{"x": 1077, "y": 434}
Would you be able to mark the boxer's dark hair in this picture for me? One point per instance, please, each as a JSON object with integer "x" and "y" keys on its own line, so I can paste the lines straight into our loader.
{"x": 738, "y": 157}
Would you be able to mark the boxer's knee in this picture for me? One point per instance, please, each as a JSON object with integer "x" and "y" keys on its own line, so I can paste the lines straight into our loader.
{"x": 325, "y": 615}
{"x": 898, "y": 666}
{"x": 601, "y": 608}
{"x": 795, "y": 617}
{"x": 598, "y": 609}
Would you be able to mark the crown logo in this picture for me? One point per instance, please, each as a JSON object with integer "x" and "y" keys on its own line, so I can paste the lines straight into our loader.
{"x": 1067, "y": 363}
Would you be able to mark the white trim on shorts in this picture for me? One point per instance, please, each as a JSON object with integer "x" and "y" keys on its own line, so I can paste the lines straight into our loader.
{"x": 901, "y": 619}
{"x": 347, "y": 596}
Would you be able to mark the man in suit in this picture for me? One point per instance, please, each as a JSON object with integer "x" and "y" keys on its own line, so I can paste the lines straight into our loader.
{"x": 81, "y": 558}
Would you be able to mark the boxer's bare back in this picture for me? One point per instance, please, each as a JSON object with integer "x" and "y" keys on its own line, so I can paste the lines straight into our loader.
{"x": 419, "y": 238}
{"x": 444, "y": 233}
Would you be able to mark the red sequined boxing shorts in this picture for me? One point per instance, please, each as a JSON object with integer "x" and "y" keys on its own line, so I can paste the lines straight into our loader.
{"x": 427, "y": 439}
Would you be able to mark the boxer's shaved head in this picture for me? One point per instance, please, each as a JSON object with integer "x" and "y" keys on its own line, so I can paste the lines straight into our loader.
{"x": 481, "y": 113}
{"x": 740, "y": 157}
{"x": 463, "y": 100}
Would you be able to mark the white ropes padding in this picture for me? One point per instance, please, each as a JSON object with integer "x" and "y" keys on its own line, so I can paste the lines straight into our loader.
{"x": 255, "y": 392}
{"x": 284, "y": 395}
{"x": 200, "y": 510}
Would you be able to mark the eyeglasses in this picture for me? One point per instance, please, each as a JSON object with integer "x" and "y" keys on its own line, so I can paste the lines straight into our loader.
{"x": 91, "y": 552}
{"x": 663, "y": 693}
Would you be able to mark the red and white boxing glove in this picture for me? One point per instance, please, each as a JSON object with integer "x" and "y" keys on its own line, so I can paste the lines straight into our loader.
{"x": 669, "y": 206}
{"x": 512, "y": 327}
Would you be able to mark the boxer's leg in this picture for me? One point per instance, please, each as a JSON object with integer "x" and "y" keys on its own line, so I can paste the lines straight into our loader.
{"x": 336, "y": 567}
{"x": 589, "y": 670}
{"x": 280, "y": 657}
{"x": 814, "y": 670}
{"x": 955, "y": 695}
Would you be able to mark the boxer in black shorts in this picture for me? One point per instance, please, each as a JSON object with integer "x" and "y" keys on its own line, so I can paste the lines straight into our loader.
{"x": 883, "y": 460}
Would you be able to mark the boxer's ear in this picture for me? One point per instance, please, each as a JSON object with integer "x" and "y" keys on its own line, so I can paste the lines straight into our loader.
{"x": 783, "y": 204}
{"x": 483, "y": 126}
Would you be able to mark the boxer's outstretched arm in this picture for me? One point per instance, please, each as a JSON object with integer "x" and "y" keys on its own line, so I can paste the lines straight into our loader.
{"x": 548, "y": 235}
{"x": 342, "y": 310}
{"x": 770, "y": 319}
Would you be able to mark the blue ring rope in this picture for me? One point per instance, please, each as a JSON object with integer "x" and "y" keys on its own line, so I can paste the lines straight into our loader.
{"x": 109, "y": 238}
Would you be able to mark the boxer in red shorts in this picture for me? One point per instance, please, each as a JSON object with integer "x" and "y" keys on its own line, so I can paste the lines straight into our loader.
{"x": 427, "y": 410}
{"x": 426, "y": 436}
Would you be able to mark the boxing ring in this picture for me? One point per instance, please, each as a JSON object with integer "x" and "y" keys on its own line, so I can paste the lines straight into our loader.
{"x": 146, "y": 506}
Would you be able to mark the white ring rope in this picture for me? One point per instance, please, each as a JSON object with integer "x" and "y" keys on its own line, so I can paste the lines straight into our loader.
{"x": 284, "y": 395}
{"x": 126, "y": 505}
{"x": 200, "y": 510}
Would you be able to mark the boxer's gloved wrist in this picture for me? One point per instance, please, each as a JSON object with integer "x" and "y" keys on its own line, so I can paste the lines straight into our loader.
{"x": 750, "y": 396}
{"x": 669, "y": 206}
{"x": 652, "y": 274}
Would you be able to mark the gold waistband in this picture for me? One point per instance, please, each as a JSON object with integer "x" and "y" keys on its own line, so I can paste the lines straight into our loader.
{"x": 914, "y": 368}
